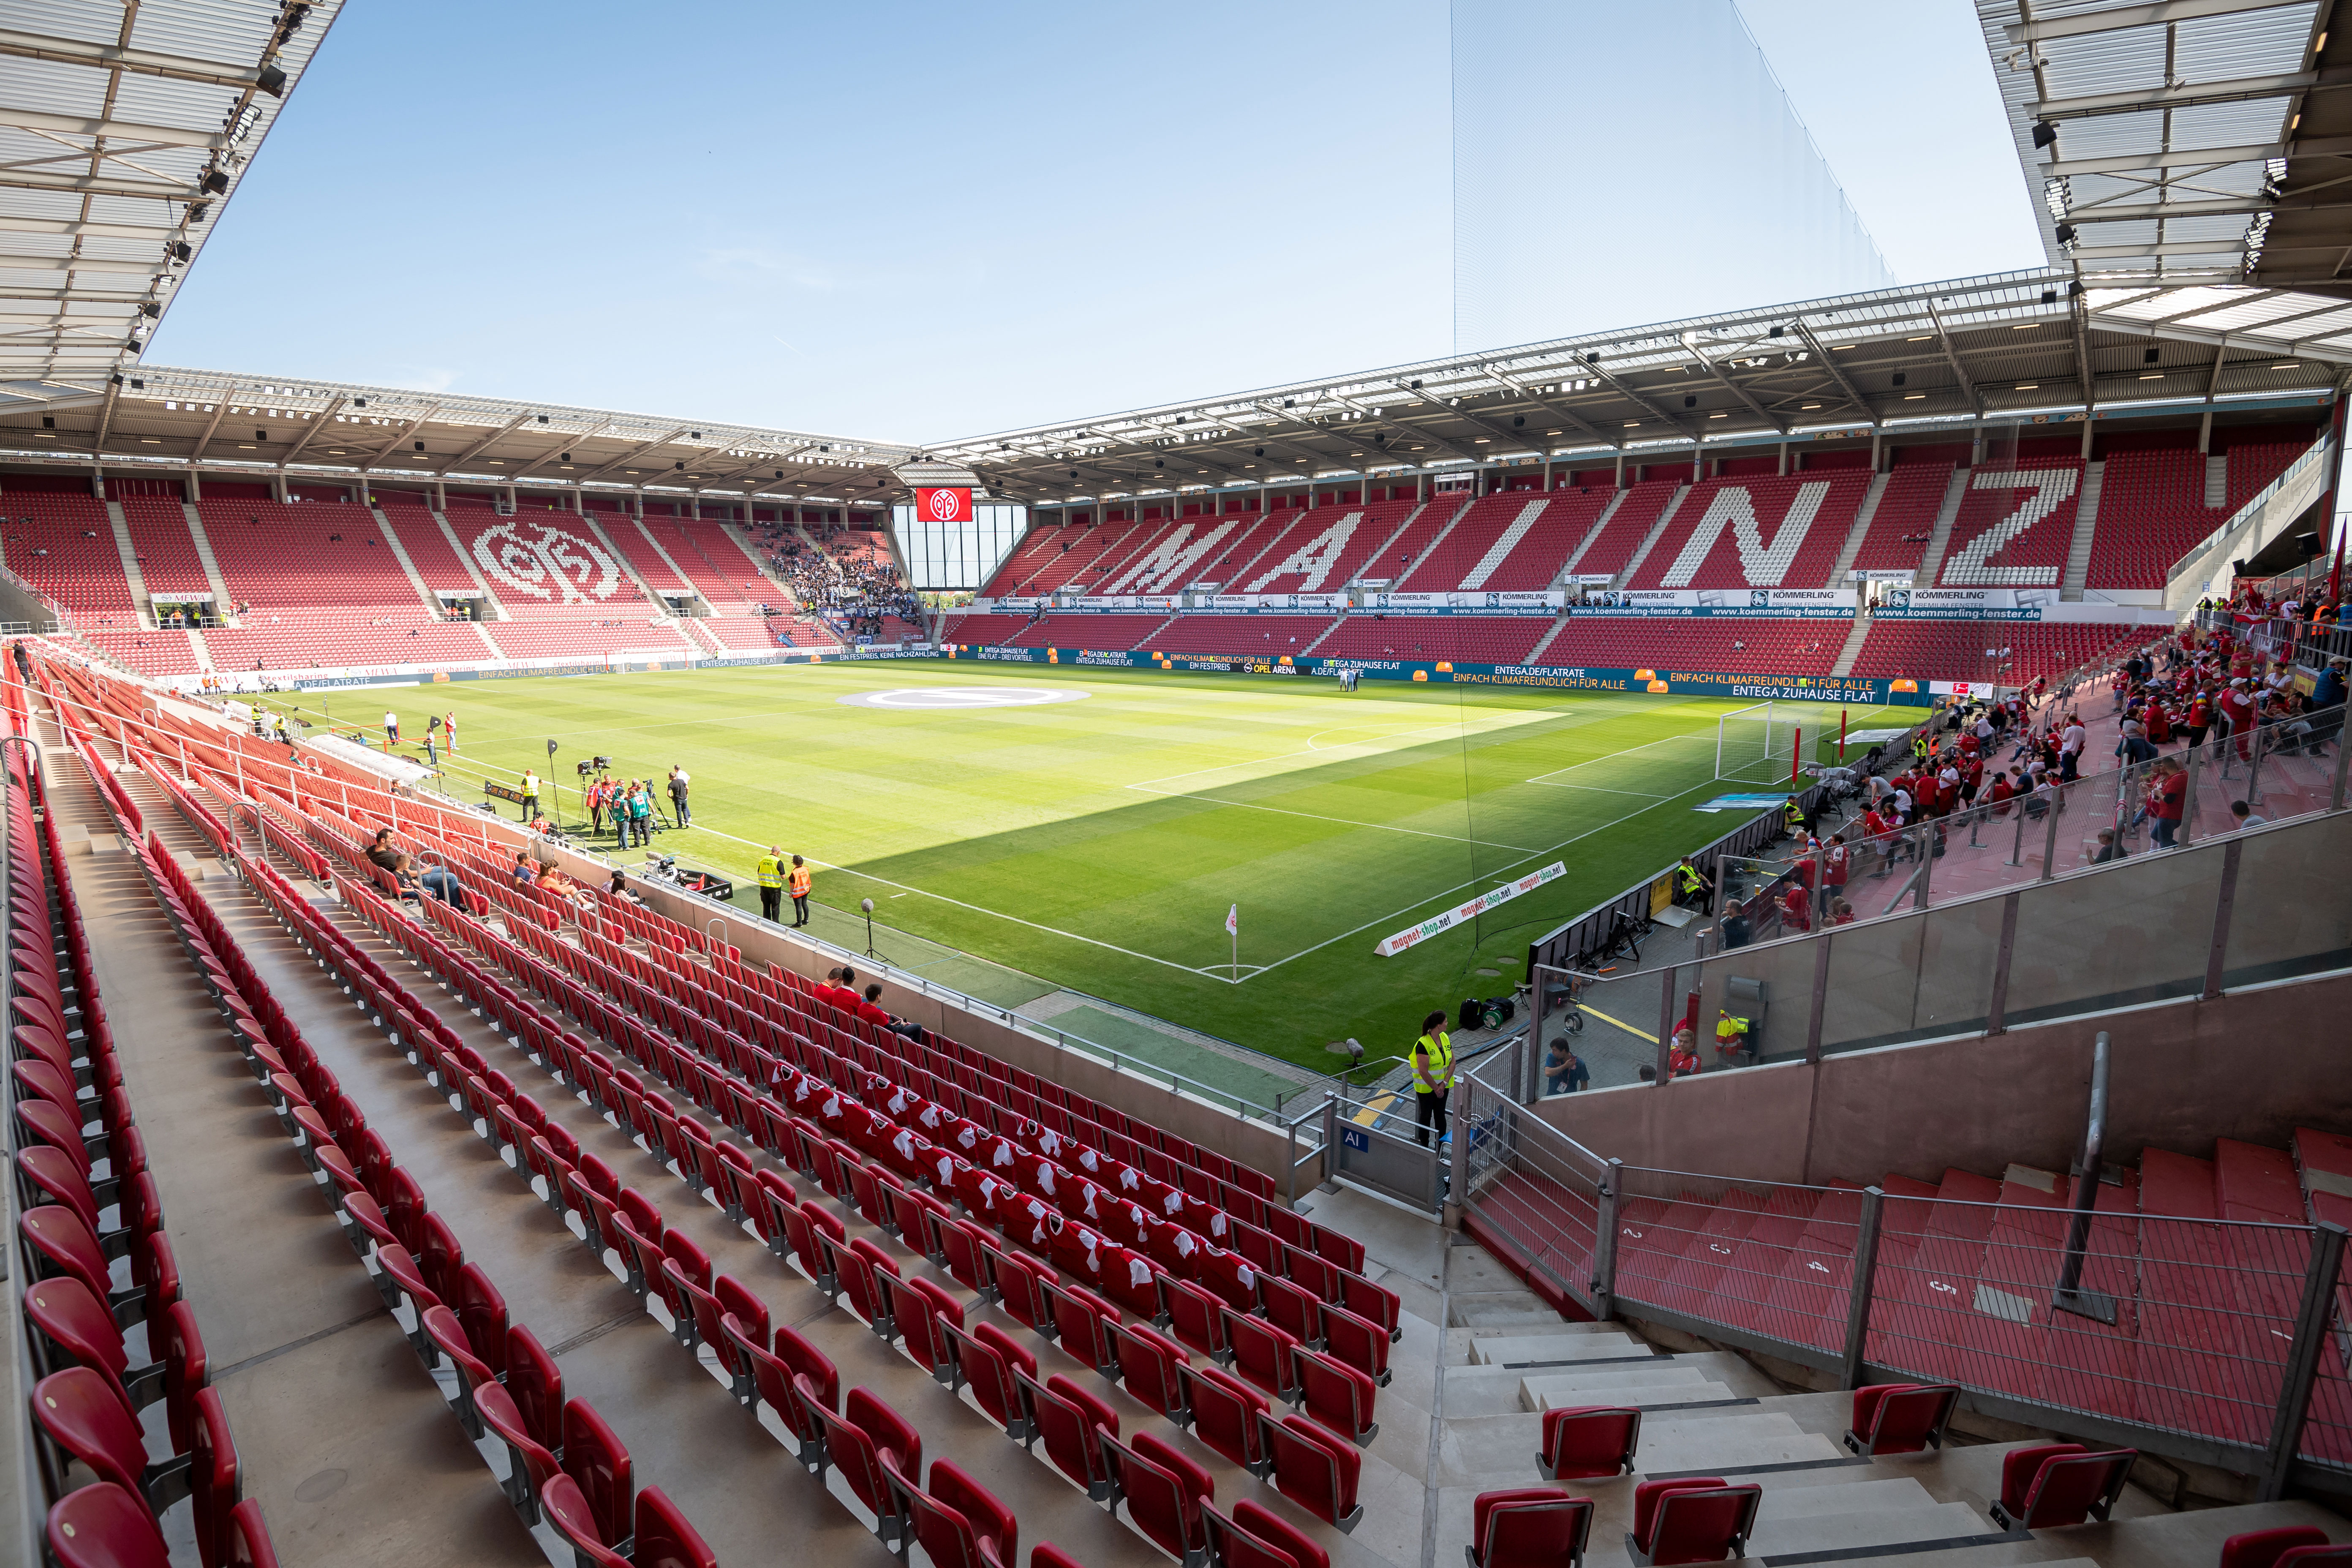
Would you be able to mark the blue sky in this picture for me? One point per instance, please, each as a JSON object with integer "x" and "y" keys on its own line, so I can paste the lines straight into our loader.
{"x": 962, "y": 218}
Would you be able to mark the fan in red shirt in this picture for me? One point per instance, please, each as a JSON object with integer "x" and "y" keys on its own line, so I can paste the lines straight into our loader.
{"x": 2238, "y": 707}
{"x": 869, "y": 1008}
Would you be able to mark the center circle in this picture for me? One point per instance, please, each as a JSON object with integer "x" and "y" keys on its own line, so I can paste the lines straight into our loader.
{"x": 961, "y": 698}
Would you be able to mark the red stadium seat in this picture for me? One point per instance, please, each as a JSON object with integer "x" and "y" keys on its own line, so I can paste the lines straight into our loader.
{"x": 1589, "y": 1443}
{"x": 1528, "y": 1527}
{"x": 2052, "y": 1485}
{"x": 1690, "y": 1521}
{"x": 1901, "y": 1418}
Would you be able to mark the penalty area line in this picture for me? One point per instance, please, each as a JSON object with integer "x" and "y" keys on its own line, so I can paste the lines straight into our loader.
{"x": 993, "y": 914}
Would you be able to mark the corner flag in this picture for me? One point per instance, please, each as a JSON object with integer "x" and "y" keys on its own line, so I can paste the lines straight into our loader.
{"x": 1234, "y": 921}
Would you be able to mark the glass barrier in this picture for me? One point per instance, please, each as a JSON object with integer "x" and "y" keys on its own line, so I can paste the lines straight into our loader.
{"x": 1532, "y": 1185}
{"x": 2286, "y": 917}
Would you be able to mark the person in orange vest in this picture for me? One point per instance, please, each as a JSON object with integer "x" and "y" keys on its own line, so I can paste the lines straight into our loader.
{"x": 798, "y": 882}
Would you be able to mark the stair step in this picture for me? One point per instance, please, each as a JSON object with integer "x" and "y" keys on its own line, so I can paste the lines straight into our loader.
{"x": 1503, "y": 1310}
{"x": 1786, "y": 1503}
{"x": 1566, "y": 1394}
{"x": 1887, "y": 1527}
{"x": 1529, "y": 1349}
{"x": 1697, "y": 1440}
{"x": 1607, "y": 1380}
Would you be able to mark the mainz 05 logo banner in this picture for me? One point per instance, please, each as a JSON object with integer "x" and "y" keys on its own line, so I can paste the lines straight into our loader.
{"x": 546, "y": 561}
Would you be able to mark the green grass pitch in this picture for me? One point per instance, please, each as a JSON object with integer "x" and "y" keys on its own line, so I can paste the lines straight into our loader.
{"x": 1097, "y": 843}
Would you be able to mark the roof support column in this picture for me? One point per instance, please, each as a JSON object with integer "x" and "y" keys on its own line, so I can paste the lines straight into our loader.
{"x": 1784, "y": 459}
{"x": 1877, "y": 449}
{"x": 195, "y": 490}
{"x": 1621, "y": 467}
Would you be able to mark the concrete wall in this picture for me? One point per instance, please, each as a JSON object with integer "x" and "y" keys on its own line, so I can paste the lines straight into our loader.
{"x": 2252, "y": 1065}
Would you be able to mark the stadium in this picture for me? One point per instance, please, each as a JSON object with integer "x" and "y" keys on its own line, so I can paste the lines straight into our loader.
{"x": 1705, "y": 940}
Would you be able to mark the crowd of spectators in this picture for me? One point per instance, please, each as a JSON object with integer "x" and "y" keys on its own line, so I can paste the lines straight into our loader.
{"x": 853, "y": 585}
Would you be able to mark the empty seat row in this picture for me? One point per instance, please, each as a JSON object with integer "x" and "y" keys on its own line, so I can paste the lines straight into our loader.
{"x": 565, "y": 1467}
{"x": 77, "y": 1159}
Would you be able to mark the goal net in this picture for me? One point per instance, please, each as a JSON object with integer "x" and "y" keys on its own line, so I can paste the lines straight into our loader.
{"x": 1757, "y": 745}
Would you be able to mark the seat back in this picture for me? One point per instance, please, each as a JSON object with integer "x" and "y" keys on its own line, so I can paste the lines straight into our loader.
{"x": 1589, "y": 1442}
{"x": 852, "y": 1453}
{"x": 1902, "y": 1418}
{"x": 104, "y": 1526}
{"x": 1356, "y": 1340}
{"x": 79, "y": 1411}
{"x": 1065, "y": 1418}
{"x": 2263, "y": 1548}
{"x": 2070, "y": 1487}
{"x": 597, "y": 1459}
{"x": 1148, "y": 1360}
{"x": 1528, "y": 1527}
{"x": 536, "y": 1385}
{"x": 1225, "y": 1413}
{"x": 664, "y": 1538}
{"x": 1263, "y": 1353}
{"x": 1194, "y": 1316}
{"x": 565, "y": 1508}
{"x": 1254, "y": 1536}
{"x": 1081, "y": 1328}
{"x": 1701, "y": 1523}
{"x": 1313, "y": 1470}
{"x": 1159, "y": 1500}
{"x": 1337, "y": 1395}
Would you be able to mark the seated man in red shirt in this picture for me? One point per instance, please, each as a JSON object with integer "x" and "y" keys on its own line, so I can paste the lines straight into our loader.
{"x": 869, "y": 1008}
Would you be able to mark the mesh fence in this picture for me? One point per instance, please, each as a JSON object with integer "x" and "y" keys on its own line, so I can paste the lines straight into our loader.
{"x": 1533, "y": 1186}
{"x": 2327, "y": 1431}
{"x": 2184, "y": 1325}
{"x": 1771, "y": 1258}
{"x": 2174, "y": 1324}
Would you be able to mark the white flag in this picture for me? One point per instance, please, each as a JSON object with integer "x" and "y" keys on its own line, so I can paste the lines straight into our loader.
{"x": 1234, "y": 921}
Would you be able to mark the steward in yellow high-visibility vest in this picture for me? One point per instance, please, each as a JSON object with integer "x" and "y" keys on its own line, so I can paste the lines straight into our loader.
{"x": 1730, "y": 1034}
{"x": 769, "y": 871}
{"x": 800, "y": 883}
{"x": 1433, "y": 1076}
{"x": 529, "y": 795}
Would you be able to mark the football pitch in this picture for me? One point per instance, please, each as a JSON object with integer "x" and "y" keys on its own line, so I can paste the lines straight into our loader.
{"x": 1091, "y": 829}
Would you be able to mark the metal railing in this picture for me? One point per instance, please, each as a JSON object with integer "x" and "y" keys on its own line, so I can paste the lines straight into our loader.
{"x": 2227, "y": 1345}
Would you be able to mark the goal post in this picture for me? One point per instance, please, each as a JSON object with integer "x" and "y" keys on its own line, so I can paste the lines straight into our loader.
{"x": 1756, "y": 744}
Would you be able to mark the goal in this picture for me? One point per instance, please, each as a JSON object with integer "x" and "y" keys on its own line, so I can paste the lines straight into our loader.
{"x": 1757, "y": 745}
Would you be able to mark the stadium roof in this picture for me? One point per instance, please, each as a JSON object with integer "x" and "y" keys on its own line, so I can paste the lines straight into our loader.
{"x": 124, "y": 124}
{"x": 2008, "y": 347}
{"x": 2184, "y": 140}
{"x": 168, "y": 421}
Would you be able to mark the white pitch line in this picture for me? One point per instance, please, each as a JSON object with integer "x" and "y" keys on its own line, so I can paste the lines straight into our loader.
{"x": 984, "y": 910}
{"x": 1458, "y": 886}
{"x": 1342, "y": 821}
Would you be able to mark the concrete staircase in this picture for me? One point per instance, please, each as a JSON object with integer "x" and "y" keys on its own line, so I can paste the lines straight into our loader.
{"x": 1860, "y": 531}
{"x": 1940, "y": 541}
{"x": 1650, "y": 540}
{"x": 2086, "y": 521}
{"x": 1855, "y": 638}
{"x": 424, "y": 593}
{"x": 499, "y": 611}
{"x": 131, "y": 571}
{"x": 1535, "y": 654}
{"x": 1568, "y": 567}
{"x": 221, "y": 603}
